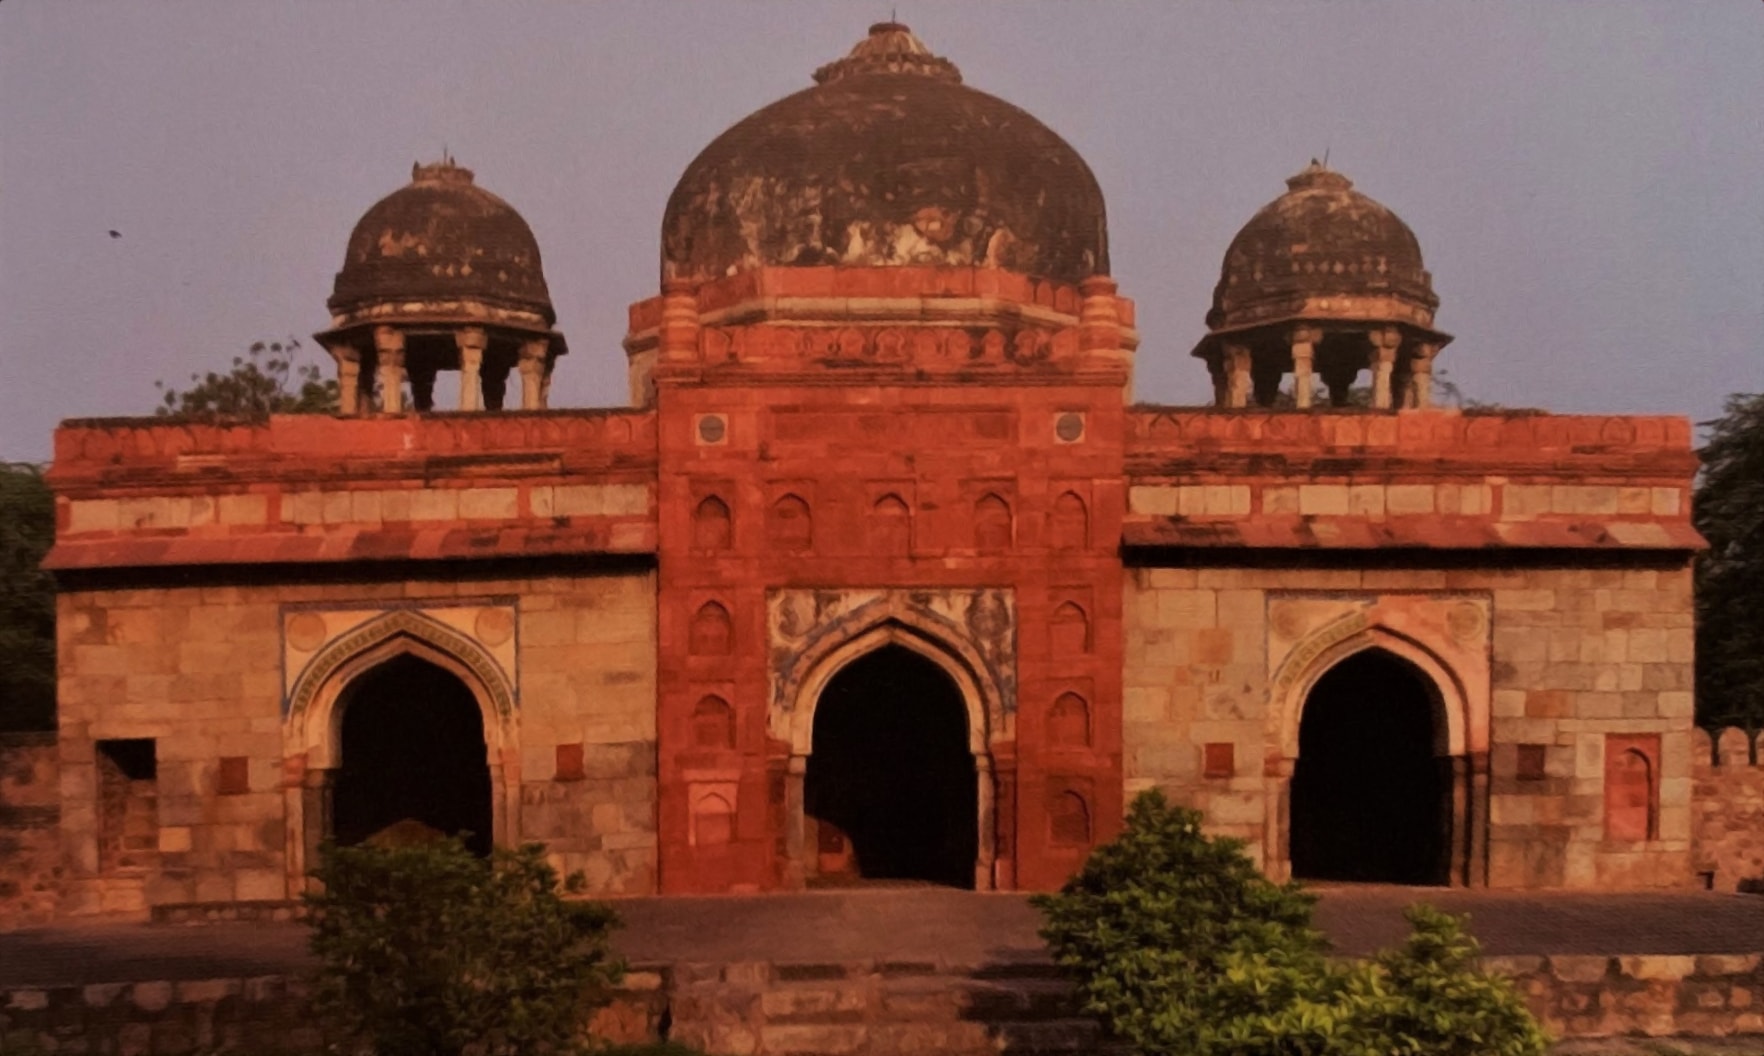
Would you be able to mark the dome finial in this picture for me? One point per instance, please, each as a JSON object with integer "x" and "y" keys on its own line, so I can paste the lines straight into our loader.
{"x": 1319, "y": 176}
{"x": 890, "y": 48}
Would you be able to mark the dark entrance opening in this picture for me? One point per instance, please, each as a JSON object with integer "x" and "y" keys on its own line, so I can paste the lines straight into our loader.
{"x": 413, "y": 758}
{"x": 891, "y": 783}
{"x": 1370, "y": 798}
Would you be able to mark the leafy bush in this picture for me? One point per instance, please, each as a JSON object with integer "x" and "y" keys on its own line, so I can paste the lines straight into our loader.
{"x": 427, "y": 950}
{"x": 1181, "y": 946}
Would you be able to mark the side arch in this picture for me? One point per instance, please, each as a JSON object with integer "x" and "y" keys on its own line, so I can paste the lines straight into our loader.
{"x": 312, "y": 724}
{"x": 1456, "y": 711}
{"x": 1461, "y": 723}
{"x": 313, "y": 720}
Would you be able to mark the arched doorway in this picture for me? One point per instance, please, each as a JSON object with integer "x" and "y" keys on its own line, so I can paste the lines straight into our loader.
{"x": 1371, "y": 792}
{"x": 413, "y": 757}
{"x": 891, "y": 787}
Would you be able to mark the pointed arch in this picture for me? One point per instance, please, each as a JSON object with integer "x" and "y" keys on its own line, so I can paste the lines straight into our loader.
{"x": 958, "y": 659}
{"x": 1456, "y": 713}
{"x": 890, "y": 528}
{"x": 789, "y": 524}
{"x": 1068, "y": 722}
{"x": 712, "y": 527}
{"x": 712, "y": 632}
{"x": 1069, "y": 527}
{"x": 713, "y": 723}
{"x": 312, "y": 717}
{"x": 992, "y": 523}
{"x": 1069, "y": 631}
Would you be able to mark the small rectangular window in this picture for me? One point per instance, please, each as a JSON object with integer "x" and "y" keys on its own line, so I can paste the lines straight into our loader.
{"x": 128, "y": 803}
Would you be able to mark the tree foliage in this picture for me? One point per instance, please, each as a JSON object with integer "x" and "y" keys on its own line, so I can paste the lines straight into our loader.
{"x": 1181, "y": 946}
{"x": 27, "y": 600}
{"x": 428, "y": 950}
{"x": 1729, "y": 511}
{"x": 268, "y": 379}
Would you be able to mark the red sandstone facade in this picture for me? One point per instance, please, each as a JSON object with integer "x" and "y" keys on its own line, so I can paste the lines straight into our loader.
{"x": 856, "y": 456}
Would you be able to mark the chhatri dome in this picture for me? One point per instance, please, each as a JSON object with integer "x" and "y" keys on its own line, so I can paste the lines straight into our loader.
{"x": 1322, "y": 280}
{"x": 888, "y": 160}
{"x": 441, "y": 275}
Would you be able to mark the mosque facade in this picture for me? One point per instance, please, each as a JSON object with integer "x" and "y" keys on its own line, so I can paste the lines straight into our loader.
{"x": 881, "y": 576}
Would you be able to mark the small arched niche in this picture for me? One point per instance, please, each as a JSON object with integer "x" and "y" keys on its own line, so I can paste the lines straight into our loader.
{"x": 789, "y": 524}
{"x": 712, "y": 528}
{"x": 992, "y": 523}
{"x": 1069, "y": 526}
{"x": 712, "y": 632}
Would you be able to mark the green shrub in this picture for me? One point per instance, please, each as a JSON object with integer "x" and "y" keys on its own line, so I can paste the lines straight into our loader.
{"x": 427, "y": 950}
{"x": 1180, "y": 945}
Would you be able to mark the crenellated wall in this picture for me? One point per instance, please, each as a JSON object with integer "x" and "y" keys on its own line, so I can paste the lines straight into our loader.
{"x": 30, "y": 840}
{"x": 1727, "y": 820}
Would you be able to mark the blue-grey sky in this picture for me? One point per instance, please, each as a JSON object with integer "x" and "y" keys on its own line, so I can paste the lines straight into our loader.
{"x": 1584, "y": 178}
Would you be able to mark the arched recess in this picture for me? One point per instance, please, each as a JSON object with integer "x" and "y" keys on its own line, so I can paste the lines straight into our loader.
{"x": 312, "y": 727}
{"x": 993, "y": 527}
{"x": 982, "y": 703}
{"x": 1069, "y": 527}
{"x": 1460, "y": 724}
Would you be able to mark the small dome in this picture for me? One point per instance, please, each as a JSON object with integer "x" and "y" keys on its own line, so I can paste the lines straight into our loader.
{"x": 888, "y": 160}
{"x": 442, "y": 238}
{"x": 1322, "y": 250}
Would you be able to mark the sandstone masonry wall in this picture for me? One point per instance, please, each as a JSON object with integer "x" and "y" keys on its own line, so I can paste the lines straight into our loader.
{"x": 1728, "y": 810}
{"x": 1574, "y": 661}
{"x": 30, "y": 846}
{"x": 880, "y": 1009}
{"x": 199, "y": 671}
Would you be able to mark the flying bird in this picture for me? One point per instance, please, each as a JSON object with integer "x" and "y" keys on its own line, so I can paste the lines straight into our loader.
{"x": 114, "y": 233}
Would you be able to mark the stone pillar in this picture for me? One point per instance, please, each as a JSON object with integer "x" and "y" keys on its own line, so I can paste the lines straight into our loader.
{"x": 1237, "y": 376}
{"x": 1303, "y": 340}
{"x": 1420, "y": 392}
{"x": 532, "y": 368}
{"x": 389, "y": 354}
{"x": 348, "y": 359}
{"x": 677, "y": 341}
{"x": 545, "y": 382}
{"x": 1384, "y": 350}
{"x": 471, "y": 341}
{"x": 1099, "y": 321}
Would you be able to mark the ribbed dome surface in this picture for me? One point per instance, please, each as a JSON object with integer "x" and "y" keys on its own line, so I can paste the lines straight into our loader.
{"x": 442, "y": 238}
{"x": 1315, "y": 250}
{"x": 888, "y": 160}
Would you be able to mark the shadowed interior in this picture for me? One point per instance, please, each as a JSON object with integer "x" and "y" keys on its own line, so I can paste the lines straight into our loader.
{"x": 413, "y": 752}
{"x": 891, "y": 772}
{"x": 1369, "y": 795}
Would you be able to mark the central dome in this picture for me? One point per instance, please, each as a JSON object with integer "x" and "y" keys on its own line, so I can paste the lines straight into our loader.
{"x": 888, "y": 160}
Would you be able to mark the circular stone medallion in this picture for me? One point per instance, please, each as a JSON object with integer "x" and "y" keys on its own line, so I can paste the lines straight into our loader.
{"x": 494, "y": 626}
{"x": 712, "y": 429}
{"x": 306, "y": 631}
{"x": 1069, "y": 427}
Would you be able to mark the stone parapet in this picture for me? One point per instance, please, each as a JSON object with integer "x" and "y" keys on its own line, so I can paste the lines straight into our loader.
{"x": 315, "y": 489}
{"x": 1417, "y": 480}
{"x": 1727, "y": 822}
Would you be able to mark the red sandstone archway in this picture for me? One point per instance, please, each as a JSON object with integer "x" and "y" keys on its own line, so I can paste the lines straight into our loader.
{"x": 978, "y": 698}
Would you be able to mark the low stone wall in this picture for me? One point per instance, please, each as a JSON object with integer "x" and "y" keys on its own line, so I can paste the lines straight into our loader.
{"x": 30, "y": 836}
{"x": 869, "y": 1008}
{"x": 1727, "y": 820}
{"x": 1713, "y": 995}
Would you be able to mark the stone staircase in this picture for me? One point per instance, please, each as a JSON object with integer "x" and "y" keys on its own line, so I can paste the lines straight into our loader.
{"x": 883, "y": 1008}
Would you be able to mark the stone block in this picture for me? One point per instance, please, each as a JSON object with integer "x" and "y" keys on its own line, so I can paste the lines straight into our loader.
{"x": 1657, "y": 967}
{"x": 478, "y": 504}
{"x": 1584, "y": 968}
{"x": 1152, "y": 500}
{"x": 813, "y": 1039}
{"x": 1323, "y": 499}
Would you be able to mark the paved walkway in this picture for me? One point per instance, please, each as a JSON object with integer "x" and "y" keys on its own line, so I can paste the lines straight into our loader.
{"x": 915, "y": 924}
